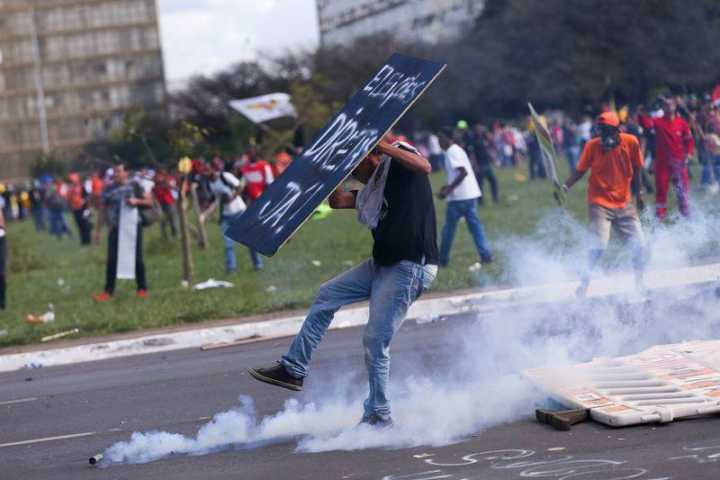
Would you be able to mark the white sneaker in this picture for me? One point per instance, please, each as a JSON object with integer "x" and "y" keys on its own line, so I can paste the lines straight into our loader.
{"x": 475, "y": 267}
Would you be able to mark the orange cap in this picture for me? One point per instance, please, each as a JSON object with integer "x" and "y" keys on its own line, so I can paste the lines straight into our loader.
{"x": 609, "y": 118}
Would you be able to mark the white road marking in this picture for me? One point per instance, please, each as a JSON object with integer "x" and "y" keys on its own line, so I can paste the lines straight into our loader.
{"x": 21, "y": 400}
{"x": 47, "y": 439}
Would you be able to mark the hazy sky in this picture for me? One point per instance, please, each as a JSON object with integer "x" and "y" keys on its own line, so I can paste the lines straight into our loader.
{"x": 204, "y": 36}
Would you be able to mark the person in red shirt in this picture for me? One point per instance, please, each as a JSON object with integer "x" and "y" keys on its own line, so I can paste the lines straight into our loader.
{"x": 78, "y": 200}
{"x": 163, "y": 191}
{"x": 257, "y": 174}
{"x": 673, "y": 145}
{"x": 614, "y": 160}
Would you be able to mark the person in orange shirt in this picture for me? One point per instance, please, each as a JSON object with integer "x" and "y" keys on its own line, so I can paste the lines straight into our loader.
{"x": 282, "y": 161}
{"x": 615, "y": 161}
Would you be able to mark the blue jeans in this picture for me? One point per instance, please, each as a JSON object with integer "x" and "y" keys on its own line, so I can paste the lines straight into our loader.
{"x": 391, "y": 291}
{"x": 58, "y": 227}
{"x": 38, "y": 214}
{"x": 456, "y": 210}
{"x": 230, "y": 260}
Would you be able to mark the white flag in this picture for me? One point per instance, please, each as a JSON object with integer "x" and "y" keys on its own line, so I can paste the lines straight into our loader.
{"x": 266, "y": 107}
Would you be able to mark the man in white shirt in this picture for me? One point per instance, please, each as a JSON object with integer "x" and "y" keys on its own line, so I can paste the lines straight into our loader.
{"x": 226, "y": 187}
{"x": 461, "y": 192}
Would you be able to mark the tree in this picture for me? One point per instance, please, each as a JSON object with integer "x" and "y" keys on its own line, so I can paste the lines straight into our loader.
{"x": 142, "y": 140}
{"x": 567, "y": 54}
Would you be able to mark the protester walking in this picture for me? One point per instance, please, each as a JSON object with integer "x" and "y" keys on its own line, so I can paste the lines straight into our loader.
{"x": 462, "y": 192}
{"x": 37, "y": 205}
{"x": 673, "y": 145}
{"x": 163, "y": 191}
{"x": 122, "y": 200}
{"x": 615, "y": 161}
{"x": 56, "y": 204}
{"x": 397, "y": 205}
{"x": 227, "y": 188}
{"x": 483, "y": 162}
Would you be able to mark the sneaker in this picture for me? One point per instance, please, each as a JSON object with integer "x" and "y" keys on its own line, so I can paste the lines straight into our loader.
{"x": 102, "y": 297}
{"x": 486, "y": 258}
{"x": 376, "y": 421}
{"x": 142, "y": 293}
{"x": 278, "y": 376}
{"x": 475, "y": 267}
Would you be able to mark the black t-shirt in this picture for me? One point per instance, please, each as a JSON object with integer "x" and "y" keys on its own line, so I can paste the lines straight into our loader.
{"x": 407, "y": 229}
{"x": 482, "y": 152}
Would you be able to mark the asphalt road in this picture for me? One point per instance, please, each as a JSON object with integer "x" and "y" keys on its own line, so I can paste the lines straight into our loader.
{"x": 96, "y": 404}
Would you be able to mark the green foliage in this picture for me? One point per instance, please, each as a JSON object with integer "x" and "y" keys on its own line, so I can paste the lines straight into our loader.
{"x": 568, "y": 54}
{"x": 187, "y": 140}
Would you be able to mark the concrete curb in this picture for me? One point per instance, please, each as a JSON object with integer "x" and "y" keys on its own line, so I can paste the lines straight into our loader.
{"x": 425, "y": 309}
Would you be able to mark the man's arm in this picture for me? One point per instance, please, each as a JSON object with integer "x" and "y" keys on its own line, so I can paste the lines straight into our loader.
{"x": 341, "y": 199}
{"x": 572, "y": 179}
{"x": 208, "y": 211}
{"x": 583, "y": 166}
{"x": 448, "y": 189}
{"x": 411, "y": 161}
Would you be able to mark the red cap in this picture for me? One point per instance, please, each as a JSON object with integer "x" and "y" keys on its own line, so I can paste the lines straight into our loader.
{"x": 609, "y": 118}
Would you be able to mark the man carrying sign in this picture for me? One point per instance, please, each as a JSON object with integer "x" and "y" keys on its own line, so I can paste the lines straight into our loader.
{"x": 397, "y": 205}
{"x": 614, "y": 160}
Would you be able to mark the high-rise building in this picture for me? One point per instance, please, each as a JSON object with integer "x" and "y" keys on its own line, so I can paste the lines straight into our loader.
{"x": 69, "y": 70}
{"x": 430, "y": 21}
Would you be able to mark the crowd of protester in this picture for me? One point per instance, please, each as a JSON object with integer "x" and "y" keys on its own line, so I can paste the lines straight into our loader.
{"x": 694, "y": 120}
{"x": 94, "y": 201}
{"x": 673, "y": 130}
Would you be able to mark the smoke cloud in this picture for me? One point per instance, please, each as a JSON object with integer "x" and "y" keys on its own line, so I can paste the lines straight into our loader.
{"x": 481, "y": 385}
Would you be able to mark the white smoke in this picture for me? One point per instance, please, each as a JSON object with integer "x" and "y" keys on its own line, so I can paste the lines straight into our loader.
{"x": 480, "y": 385}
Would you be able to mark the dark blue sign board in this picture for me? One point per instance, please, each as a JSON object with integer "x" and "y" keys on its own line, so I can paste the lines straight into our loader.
{"x": 341, "y": 145}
